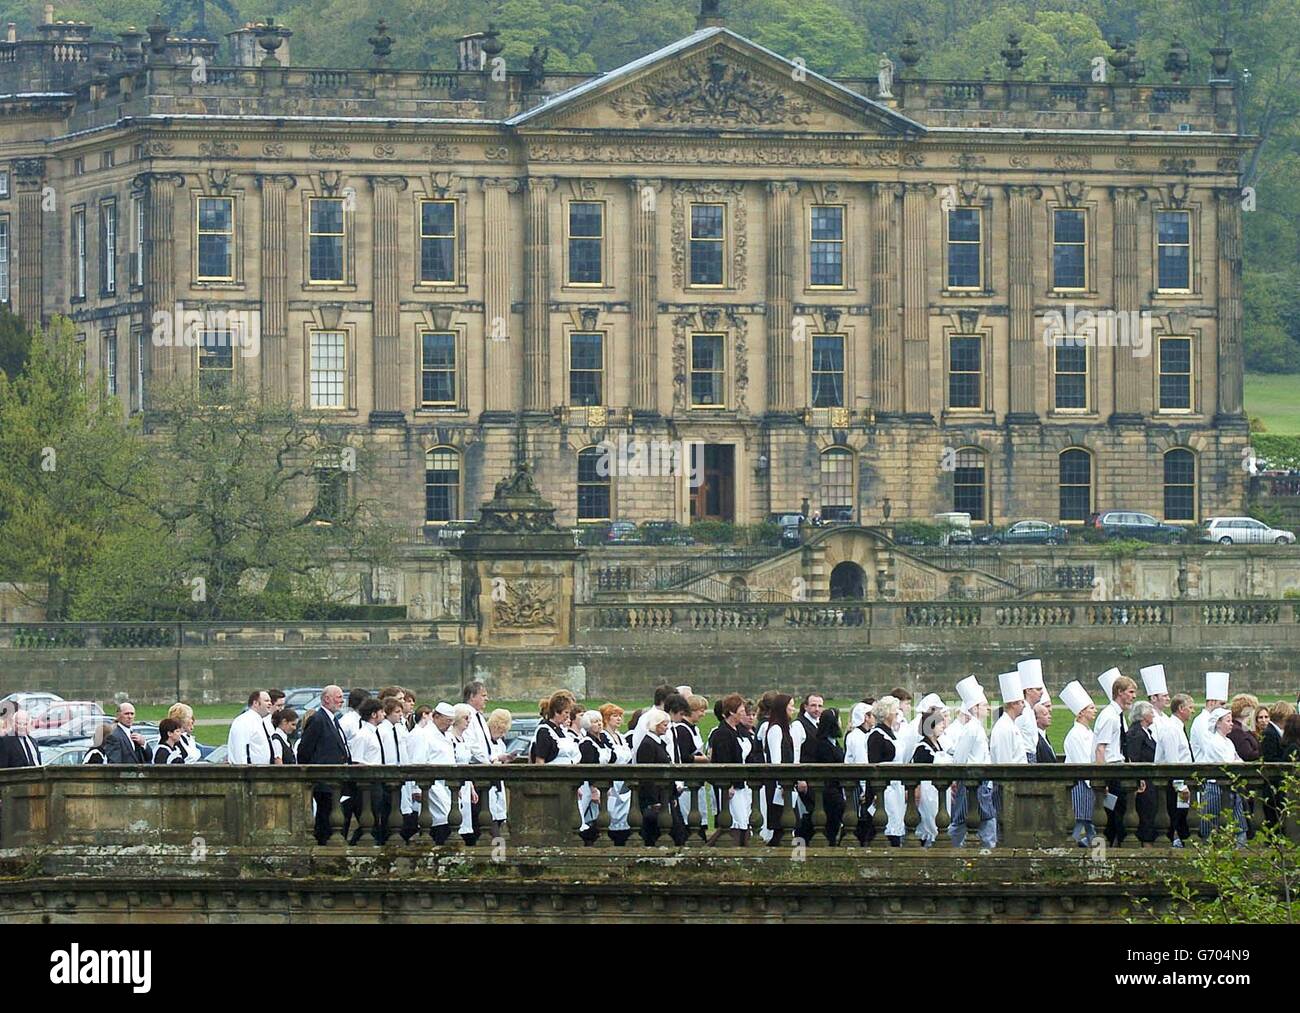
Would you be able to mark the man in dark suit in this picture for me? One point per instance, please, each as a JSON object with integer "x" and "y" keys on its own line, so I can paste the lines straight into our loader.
{"x": 1043, "y": 719}
{"x": 1140, "y": 747}
{"x": 324, "y": 742}
{"x": 122, "y": 745}
{"x": 19, "y": 749}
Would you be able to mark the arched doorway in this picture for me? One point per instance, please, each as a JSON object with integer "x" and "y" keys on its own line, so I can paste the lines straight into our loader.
{"x": 848, "y": 581}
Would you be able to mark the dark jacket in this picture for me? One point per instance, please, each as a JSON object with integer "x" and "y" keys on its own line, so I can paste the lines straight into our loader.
{"x": 1045, "y": 752}
{"x": 1245, "y": 741}
{"x": 726, "y": 747}
{"x": 322, "y": 741}
{"x": 1139, "y": 747}
{"x": 118, "y": 748}
{"x": 653, "y": 751}
{"x": 1270, "y": 746}
{"x": 12, "y": 753}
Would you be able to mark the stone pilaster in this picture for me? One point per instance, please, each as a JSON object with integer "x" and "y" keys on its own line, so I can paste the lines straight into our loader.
{"x": 386, "y": 322}
{"x": 645, "y": 295}
{"x": 29, "y": 177}
{"x": 886, "y": 356}
{"x": 1228, "y": 290}
{"x": 780, "y": 254}
{"x": 537, "y": 278}
{"x": 165, "y": 361}
{"x": 274, "y": 285}
{"x": 1129, "y": 371}
{"x": 499, "y": 391}
{"x": 1022, "y": 354}
{"x": 917, "y": 199}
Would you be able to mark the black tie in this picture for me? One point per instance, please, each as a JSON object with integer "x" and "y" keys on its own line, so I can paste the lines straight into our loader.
{"x": 383, "y": 757}
{"x": 397, "y": 745}
{"x": 486, "y": 737}
{"x": 27, "y": 748}
{"x": 270, "y": 748}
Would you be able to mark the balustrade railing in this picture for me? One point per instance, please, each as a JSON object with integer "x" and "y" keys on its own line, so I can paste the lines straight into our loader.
{"x": 663, "y": 806}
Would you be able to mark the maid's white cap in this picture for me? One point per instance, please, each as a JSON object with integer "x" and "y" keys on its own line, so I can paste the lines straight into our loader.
{"x": 446, "y": 710}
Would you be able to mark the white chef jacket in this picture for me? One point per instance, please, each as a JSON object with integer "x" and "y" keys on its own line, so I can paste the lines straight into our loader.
{"x": 1078, "y": 744}
{"x": 1007, "y": 745}
{"x": 1219, "y": 749}
{"x": 1171, "y": 741}
{"x": 1106, "y": 732}
{"x": 249, "y": 741}
{"x": 972, "y": 744}
{"x": 1027, "y": 725}
{"x": 1201, "y": 731}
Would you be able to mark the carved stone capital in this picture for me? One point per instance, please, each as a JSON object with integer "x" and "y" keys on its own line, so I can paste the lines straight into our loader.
{"x": 542, "y": 184}
{"x": 641, "y": 184}
{"x": 30, "y": 171}
{"x": 283, "y": 180}
{"x": 788, "y": 186}
{"x": 1227, "y": 194}
{"x": 144, "y": 180}
{"x": 398, "y": 182}
{"x": 1138, "y": 193}
{"x": 507, "y": 183}
{"x": 1032, "y": 191}
{"x": 924, "y": 188}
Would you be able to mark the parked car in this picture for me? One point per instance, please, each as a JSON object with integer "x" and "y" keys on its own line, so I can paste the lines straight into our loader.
{"x": 1030, "y": 533}
{"x": 520, "y": 737}
{"x": 1244, "y": 530}
{"x": 666, "y": 533}
{"x": 34, "y": 703}
{"x": 624, "y": 533}
{"x": 1130, "y": 524}
{"x": 791, "y": 536}
{"x": 215, "y": 755}
{"x": 65, "y": 754}
{"x": 959, "y": 536}
{"x": 68, "y": 719}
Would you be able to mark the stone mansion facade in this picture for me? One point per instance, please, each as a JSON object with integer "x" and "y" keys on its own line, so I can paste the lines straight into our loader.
{"x": 759, "y": 286}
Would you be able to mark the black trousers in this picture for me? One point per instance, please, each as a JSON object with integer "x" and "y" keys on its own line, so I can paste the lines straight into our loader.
{"x": 865, "y": 831}
{"x": 652, "y": 815}
{"x": 1148, "y": 805}
{"x": 804, "y": 830}
{"x": 1177, "y": 817}
{"x": 324, "y": 798}
{"x": 833, "y": 805}
{"x": 1115, "y": 817}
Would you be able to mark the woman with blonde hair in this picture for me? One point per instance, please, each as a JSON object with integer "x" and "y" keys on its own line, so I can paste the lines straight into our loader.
{"x": 186, "y": 746}
{"x": 620, "y": 795}
{"x": 464, "y": 714}
{"x": 498, "y": 723}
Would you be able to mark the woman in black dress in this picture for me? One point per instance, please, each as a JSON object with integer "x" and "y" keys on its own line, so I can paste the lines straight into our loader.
{"x": 881, "y": 749}
{"x": 779, "y": 748}
{"x": 827, "y": 750}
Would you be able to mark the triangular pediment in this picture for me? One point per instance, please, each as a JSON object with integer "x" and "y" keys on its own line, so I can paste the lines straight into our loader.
{"x": 716, "y": 80}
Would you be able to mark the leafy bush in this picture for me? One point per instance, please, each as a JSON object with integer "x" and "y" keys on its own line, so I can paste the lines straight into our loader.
{"x": 1122, "y": 548}
{"x": 920, "y": 532}
{"x": 1276, "y": 450}
{"x": 713, "y": 532}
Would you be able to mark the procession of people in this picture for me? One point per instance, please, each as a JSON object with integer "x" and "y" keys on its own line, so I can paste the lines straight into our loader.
{"x": 1128, "y": 726}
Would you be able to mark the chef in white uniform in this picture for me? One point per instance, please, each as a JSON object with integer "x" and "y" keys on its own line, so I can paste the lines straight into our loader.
{"x": 440, "y": 751}
{"x": 1216, "y": 696}
{"x": 1078, "y": 749}
{"x": 1031, "y": 683}
{"x": 1216, "y": 747}
{"x": 1006, "y": 743}
{"x": 971, "y": 745}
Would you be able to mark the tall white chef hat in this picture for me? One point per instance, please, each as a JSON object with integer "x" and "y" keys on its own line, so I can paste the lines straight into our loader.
{"x": 1031, "y": 674}
{"x": 971, "y": 693}
{"x": 1107, "y": 681}
{"x": 1216, "y": 685}
{"x": 1046, "y": 697}
{"x": 1153, "y": 678}
{"x": 446, "y": 710}
{"x": 685, "y": 691}
{"x": 1076, "y": 697}
{"x": 1009, "y": 685}
{"x": 859, "y": 715}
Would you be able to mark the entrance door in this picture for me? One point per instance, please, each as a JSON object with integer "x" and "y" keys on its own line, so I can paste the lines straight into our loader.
{"x": 714, "y": 499}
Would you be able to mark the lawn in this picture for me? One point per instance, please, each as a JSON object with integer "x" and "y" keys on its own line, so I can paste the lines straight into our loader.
{"x": 1274, "y": 398}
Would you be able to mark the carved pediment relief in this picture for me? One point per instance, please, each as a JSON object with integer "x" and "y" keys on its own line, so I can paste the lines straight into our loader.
{"x": 724, "y": 82}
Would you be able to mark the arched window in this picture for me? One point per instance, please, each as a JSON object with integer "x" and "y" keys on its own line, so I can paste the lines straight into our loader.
{"x": 970, "y": 484}
{"x": 1075, "y": 480}
{"x": 837, "y": 484}
{"x": 593, "y": 484}
{"x": 1180, "y": 485}
{"x": 441, "y": 485}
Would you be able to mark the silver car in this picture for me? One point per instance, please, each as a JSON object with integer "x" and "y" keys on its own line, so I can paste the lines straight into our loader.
{"x": 1244, "y": 531}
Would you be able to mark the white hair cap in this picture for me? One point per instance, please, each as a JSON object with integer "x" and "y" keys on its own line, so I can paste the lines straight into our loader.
{"x": 859, "y": 715}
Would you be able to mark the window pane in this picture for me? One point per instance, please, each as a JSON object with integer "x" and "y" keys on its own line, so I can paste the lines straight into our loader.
{"x": 963, "y": 265}
{"x": 327, "y": 216}
{"x": 585, "y": 261}
{"x": 1173, "y": 226}
{"x": 827, "y": 222}
{"x": 836, "y": 482}
{"x": 827, "y": 264}
{"x": 706, "y": 221}
{"x": 215, "y": 215}
{"x": 438, "y": 368}
{"x": 968, "y": 484}
{"x": 586, "y": 362}
{"x": 1068, "y": 267}
{"x": 585, "y": 219}
{"x": 593, "y": 487}
{"x": 441, "y": 485}
{"x": 436, "y": 260}
{"x": 1069, "y": 226}
{"x": 328, "y": 358}
{"x": 1176, "y": 373}
{"x": 437, "y": 218}
{"x": 1175, "y": 267}
{"x": 214, "y": 256}
{"x": 964, "y": 225}
{"x": 964, "y": 376}
{"x": 1075, "y": 479}
{"x": 706, "y": 263}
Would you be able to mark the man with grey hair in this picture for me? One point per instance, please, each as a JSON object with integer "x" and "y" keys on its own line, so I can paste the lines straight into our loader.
{"x": 17, "y": 748}
{"x": 1140, "y": 747}
{"x": 323, "y": 741}
{"x": 123, "y": 745}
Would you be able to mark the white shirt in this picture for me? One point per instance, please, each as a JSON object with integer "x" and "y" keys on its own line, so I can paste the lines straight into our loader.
{"x": 972, "y": 744}
{"x": 1202, "y": 730}
{"x": 1171, "y": 741}
{"x": 365, "y": 745}
{"x": 1078, "y": 744}
{"x": 477, "y": 738}
{"x": 1106, "y": 732}
{"x": 798, "y": 733}
{"x": 249, "y": 741}
{"x": 348, "y": 725}
{"x": 855, "y": 746}
{"x": 774, "y": 738}
{"x": 396, "y": 742}
{"x": 1006, "y": 745}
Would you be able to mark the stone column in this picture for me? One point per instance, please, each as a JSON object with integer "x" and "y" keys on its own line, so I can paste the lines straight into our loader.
{"x": 780, "y": 353}
{"x": 1230, "y": 361}
{"x": 886, "y": 357}
{"x": 29, "y": 177}
{"x": 645, "y": 296}
{"x": 274, "y": 285}
{"x": 499, "y": 391}
{"x": 386, "y": 325}
{"x": 916, "y": 313}
{"x": 537, "y": 277}
{"x": 1021, "y": 351}
{"x": 165, "y": 361}
{"x": 1128, "y": 371}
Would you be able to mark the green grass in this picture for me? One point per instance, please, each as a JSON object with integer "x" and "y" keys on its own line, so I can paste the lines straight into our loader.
{"x": 1274, "y": 398}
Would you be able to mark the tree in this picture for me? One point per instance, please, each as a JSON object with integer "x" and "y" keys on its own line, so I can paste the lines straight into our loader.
{"x": 61, "y": 444}
{"x": 252, "y": 502}
{"x": 15, "y": 343}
